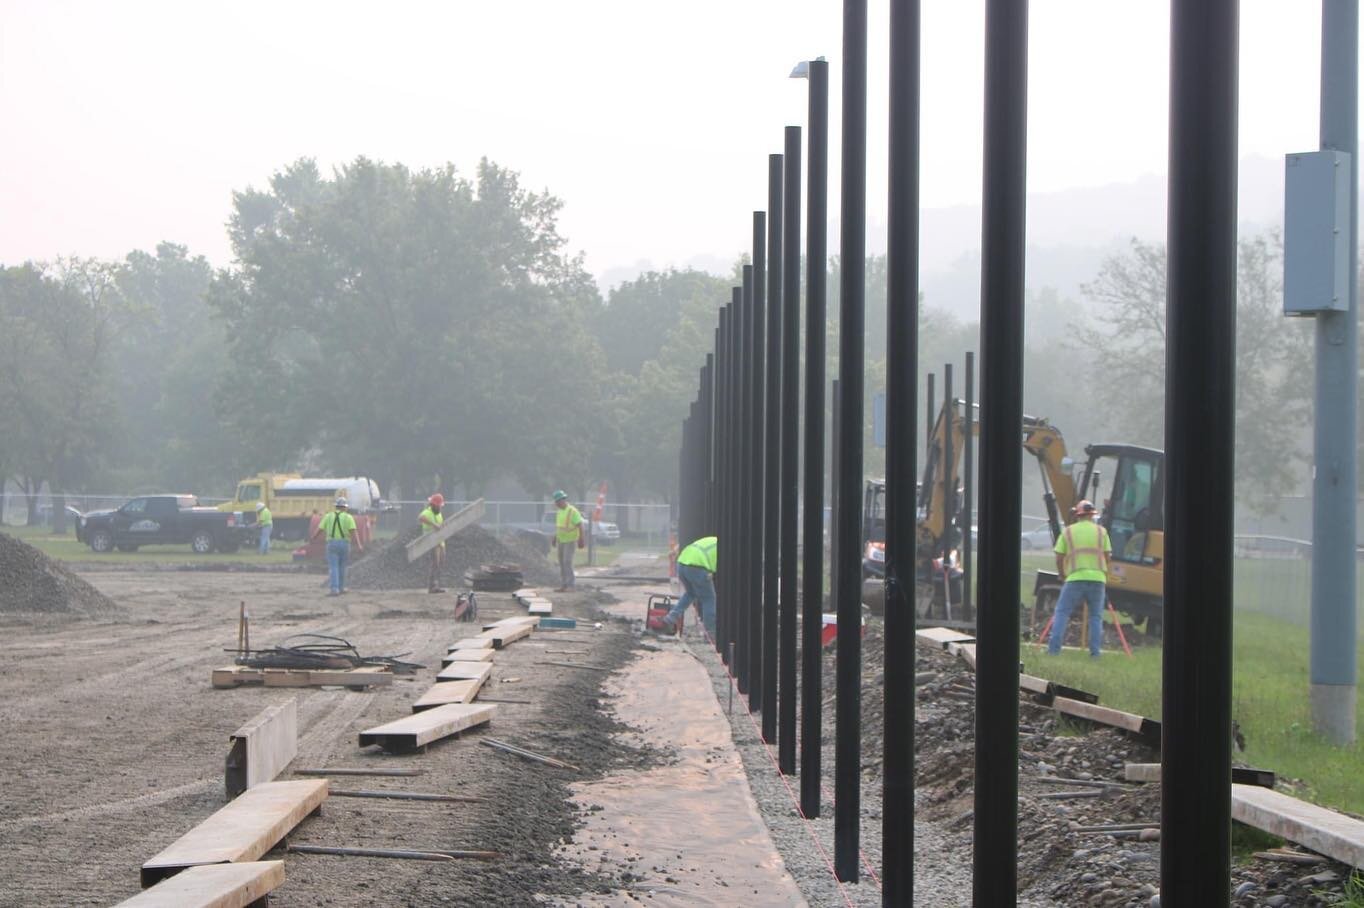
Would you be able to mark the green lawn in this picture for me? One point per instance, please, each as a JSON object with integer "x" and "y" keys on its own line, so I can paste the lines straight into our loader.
{"x": 1270, "y": 689}
{"x": 66, "y": 548}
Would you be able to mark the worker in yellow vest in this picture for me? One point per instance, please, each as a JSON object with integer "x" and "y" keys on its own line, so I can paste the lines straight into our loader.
{"x": 1082, "y": 555}
{"x": 266, "y": 522}
{"x": 338, "y": 528}
{"x": 696, "y": 565}
{"x": 431, "y": 520}
{"x": 568, "y": 538}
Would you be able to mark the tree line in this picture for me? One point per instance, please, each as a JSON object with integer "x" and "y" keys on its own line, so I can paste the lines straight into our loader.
{"x": 431, "y": 330}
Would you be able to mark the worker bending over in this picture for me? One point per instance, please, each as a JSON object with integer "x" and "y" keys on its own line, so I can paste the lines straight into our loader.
{"x": 696, "y": 566}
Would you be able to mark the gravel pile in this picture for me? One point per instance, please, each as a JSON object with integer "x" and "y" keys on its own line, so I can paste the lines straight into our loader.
{"x": 389, "y": 569}
{"x": 30, "y": 582}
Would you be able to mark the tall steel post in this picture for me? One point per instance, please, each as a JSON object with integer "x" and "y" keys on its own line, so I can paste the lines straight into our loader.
{"x": 995, "y": 877}
{"x": 1335, "y": 676}
{"x": 812, "y": 576}
{"x": 734, "y": 434}
{"x": 1200, "y": 408}
{"x": 721, "y": 430}
{"x": 902, "y": 419}
{"x": 772, "y": 465}
{"x": 748, "y": 551}
{"x": 758, "y": 465}
{"x": 853, "y": 255}
{"x": 930, "y": 419}
{"x": 968, "y": 482}
{"x": 790, "y": 451}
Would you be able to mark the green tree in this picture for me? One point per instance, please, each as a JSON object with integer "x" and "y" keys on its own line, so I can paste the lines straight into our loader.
{"x": 632, "y": 327}
{"x": 407, "y": 325}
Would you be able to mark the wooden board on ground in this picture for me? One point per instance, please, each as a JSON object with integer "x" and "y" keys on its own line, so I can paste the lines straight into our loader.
{"x": 467, "y": 655}
{"x": 471, "y": 513}
{"x": 1034, "y": 685}
{"x": 365, "y": 676}
{"x": 213, "y": 886}
{"x": 479, "y": 642}
{"x": 445, "y": 692}
{"x": 514, "y": 621}
{"x": 1240, "y": 775}
{"x": 1325, "y": 831}
{"x": 540, "y": 608}
{"x": 966, "y": 650}
{"x": 243, "y": 830}
{"x": 261, "y": 748}
{"x": 465, "y": 671}
{"x": 1148, "y": 729}
{"x": 941, "y": 636}
{"x": 414, "y": 732}
{"x": 503, "y": 635}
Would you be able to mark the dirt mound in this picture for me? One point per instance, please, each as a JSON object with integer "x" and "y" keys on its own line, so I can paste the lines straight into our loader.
{"x": 389, "y": 569}
{"x": 32, "y": 582}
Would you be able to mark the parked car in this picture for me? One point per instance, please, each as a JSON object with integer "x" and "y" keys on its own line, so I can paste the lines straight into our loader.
{"x": 1039, "y": 537}
{"x": 604, "y": 532}
{"x": 164, "y": 519}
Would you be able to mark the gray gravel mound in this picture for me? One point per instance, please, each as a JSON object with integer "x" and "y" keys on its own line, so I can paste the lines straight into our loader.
{"x": 389, "y": 569}
{"x": 32, "y": 582}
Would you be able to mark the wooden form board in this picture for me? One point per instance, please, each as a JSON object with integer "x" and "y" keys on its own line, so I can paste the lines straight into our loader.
{"x": 243, "y": 830}
{"x": 212, "y": 886}
{"x": 465, "y": 671}
{"x": 365, "y": 676}
{"x": 414, "y": 732}
{"x": 967, "y": 652}
{"x": 468, "y": 643}
{"x": 1325, "y": 831}
{"x": 1148, "y": 729}
{"x": 467, "y": 655}
{"x": 540, "y": 608}
{"x": 445, "y": 692}
{"x": 514, "y": 621}
{"x": 503, "y": 635}
{"x": 1240, "y": 775}
{"x": 261, "y": 748}
{"x": 469, "y": 514}
{"x": 941, "y": 636}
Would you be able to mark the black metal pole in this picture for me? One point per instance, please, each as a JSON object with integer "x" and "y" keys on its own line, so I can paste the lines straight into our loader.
{"x": 733, "y": 431}
{"x": 721, "y": 430}
{"x": 748, "y": 552}
{"x": 995, "y": 877}
{"x": 758, "y": 466}
{"x": 968, "y": 484}
{"x": 1200, "y": 407}
{"x": 852, "y": 253}
{"x": 790, "y": 451}
{"x": 812, "y": 576}
{"x": 772, "y": 467}
{"x": 902, "y": 419}
{"x": 835, "y": 433}
{"x": 707, "y": 465}
{"x": 930, "y": 419}
{"x": 947, "y": 477}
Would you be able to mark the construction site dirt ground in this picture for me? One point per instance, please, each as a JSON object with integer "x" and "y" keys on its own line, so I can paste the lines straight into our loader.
{"x": 115, "y": 744}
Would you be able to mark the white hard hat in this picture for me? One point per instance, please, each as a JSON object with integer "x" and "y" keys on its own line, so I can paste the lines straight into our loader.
{"x": 260, "y": 506}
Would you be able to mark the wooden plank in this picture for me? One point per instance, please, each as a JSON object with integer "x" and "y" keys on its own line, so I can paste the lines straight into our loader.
{"x": 213, "y": 886}
{"x": 467, "y": 655}
{"x": 540, "y": 608}
{"x": 502, "y": 636}
{"x": 967, "y": 652}
{"x": 1324, "y": 831}
{"x": 261, "y": 748}
{"x": 365, "y": 676}
{"x": 243, "y": 830}
{"x": 1034, "y": 685}
{"x": 1240, "y": 775}
{"x": 467, "y": 643}
{"x": 420, "y": 729}
{"x": 514, "y": 621}
{"x": 469, "y": 514}
{"x": 1141, "y": 772}
{"x": 448, "y": 692}
{"x": 941, "y": 636}
{"x": 1105, "y": 715}
{"x": 465, "y": 671}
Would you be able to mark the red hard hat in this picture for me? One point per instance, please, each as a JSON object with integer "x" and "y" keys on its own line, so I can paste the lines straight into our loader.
{"x": 437, "y": 499}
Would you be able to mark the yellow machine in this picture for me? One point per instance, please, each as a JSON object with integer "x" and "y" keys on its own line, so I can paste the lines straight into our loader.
{"x": 294, "y": 500}
{"x": 1132, "y": 513}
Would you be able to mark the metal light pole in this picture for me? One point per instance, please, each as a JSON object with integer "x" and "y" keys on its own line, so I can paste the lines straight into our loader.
{"x": 1200, "y": 408}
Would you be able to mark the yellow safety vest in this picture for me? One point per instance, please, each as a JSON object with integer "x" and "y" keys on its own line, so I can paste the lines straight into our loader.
{"x": 700, "y": 553}
{"x": 566, "y": 524}
{"x": 436, "y": 520}
{"x": 1086, "y": 549}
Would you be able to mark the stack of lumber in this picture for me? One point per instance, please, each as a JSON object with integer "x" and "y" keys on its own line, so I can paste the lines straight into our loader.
{"x": 355, "y": 678}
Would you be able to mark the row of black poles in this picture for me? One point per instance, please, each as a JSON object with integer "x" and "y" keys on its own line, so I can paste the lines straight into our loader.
{"x": 743, "y": 427}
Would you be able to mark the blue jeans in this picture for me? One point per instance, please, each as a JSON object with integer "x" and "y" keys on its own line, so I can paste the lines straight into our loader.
{"x": 1072, "y": 595}
{"x": 697, "y": 587}
{"x": 338, "y": 550}
{"x": 265, "y": 539}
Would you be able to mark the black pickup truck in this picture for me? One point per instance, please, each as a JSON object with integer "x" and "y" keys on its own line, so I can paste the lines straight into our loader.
{"x": 163, "y": 520}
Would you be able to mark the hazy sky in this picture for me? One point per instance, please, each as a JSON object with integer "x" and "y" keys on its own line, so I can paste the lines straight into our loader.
{"x": 131, "y": 122}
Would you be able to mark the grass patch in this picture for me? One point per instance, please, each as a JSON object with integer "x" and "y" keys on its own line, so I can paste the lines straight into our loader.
{"x": 67, "y": 549}
{"x": 1269, "y": 700}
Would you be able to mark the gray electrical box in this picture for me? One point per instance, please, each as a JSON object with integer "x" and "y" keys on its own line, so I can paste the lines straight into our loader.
{"x": 1316, "y": 241}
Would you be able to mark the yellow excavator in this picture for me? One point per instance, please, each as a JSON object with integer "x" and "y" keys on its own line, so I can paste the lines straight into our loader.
{"x": 1132, "y": 513}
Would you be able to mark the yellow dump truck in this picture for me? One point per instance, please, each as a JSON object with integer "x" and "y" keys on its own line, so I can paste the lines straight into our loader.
{"x": 295, "y": 501}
